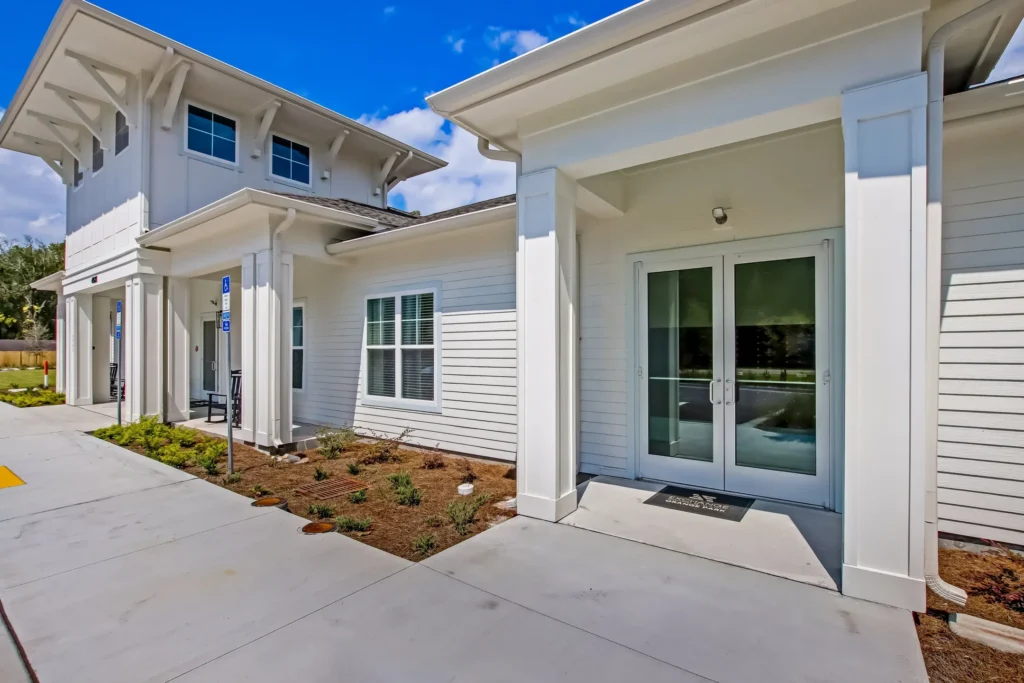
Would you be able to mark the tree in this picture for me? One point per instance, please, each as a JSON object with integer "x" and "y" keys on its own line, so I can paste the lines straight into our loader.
{"x": 20, "y": 265}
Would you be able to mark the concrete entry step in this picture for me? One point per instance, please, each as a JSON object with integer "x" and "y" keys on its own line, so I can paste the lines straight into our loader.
{"x": 790, "y": 541}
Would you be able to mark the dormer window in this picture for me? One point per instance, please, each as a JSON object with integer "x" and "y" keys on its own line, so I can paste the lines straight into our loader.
{"x": 211, "y": 134}
{"x": 289, "y": 160}
{"x": 97, "y": 156}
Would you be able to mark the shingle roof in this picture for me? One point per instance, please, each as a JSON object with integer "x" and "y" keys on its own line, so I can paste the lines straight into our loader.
{"x": 391, "y": 218}
{"x": 395, "y": 218}
{"x": 468, "y": 208}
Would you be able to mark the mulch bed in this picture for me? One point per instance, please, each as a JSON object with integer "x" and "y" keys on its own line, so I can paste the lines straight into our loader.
{"x": 992, "y": 581}
{"x": 395, "y": 527}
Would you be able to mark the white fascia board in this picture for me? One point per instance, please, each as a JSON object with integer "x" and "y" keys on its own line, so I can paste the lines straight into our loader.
{"x": 443, "y": 225}
{"x": 50, "y": 283}
{"x": 248, "y": 196}
{"x": 68, "y": 10}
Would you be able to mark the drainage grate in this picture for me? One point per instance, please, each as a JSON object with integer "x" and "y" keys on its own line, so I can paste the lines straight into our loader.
{"x": 331, "y": 488}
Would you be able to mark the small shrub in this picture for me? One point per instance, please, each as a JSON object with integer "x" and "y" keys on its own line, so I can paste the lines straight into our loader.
{"x": 385, "y": 449}
{"x": 208, "y": 458}
{"x": 321, "y": 510}
{"x": 320, "y": 474}
{"x": 185, "y": 437}
{"x": 400, "y": 480}
{"x": 232, "y": 478}
{"x": 354, "y": 468}
{"x": 174, "y": 455}
{"x": 258, "y": 491}
{"x": 433, "y": 521}
{"x": 33, "y": 398}
{"x": 331, "y": 443}
{"x": 433, "y": 461}
{"x": 462, "y": 511}
{"x": 408, "y": 496}
{"x": 346, "y": 523}
{"x": 424, "y": 544}
{"x": 111, "y": 433}
{"x": 357, "y": 496}
{"x": 466, "y": 468}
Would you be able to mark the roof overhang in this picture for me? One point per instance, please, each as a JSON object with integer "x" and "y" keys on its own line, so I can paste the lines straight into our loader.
{"x": 246, "y": 205}
{"x": 444, "y": 225}
{"x": 636, "y": 54}
{"x": 50, "y": 283}
{"x": 83, "y": 35}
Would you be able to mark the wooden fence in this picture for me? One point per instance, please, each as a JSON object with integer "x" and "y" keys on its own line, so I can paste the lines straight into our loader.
{"x": 21, "y": 359}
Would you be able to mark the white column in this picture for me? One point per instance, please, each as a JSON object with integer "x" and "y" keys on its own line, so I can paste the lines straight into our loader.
{"x": 178, "y": 352}
{"x": 546, "y": 345}
{"x": 79, "y": 353}
{"x": 884, "y": 127}
{"x": 283, "y": 289}
{"x": 247, "y": 328}
{"x": 60, "y": 334}
{"x": 143, "y": 336}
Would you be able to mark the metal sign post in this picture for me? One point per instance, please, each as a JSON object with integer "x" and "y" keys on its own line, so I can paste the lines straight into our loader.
{"x": 120, "y": 363}
{"x": 225, "y": 323}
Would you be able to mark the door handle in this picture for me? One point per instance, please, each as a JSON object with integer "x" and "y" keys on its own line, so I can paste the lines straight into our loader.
{"x": 729, "y": 383}
{"x": 711, "y": 391}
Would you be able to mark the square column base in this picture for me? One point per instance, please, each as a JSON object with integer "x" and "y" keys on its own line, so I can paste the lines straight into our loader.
{"x": 545, "y": 508}
{"x": 889, "y": 589}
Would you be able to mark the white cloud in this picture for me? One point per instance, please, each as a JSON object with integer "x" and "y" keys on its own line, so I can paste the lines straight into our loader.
{"x": 518, "y": 42}
{"x": 1012, "y": 62}
{"x": 32, "y": 198}
{"x": 458, "y": 44}
{"x": 468, "y": 178}
{"x": 390, "y": 9}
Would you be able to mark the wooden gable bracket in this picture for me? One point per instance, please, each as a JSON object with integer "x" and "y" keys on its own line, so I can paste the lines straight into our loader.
{"x": 167, "y": 62}
{"x": 336, "y": 144}
{"x": 268, "y": 111}
{"x": 174, "y": 94}
{"x": 394, "y": 171}
{"x": 383, "y": 173}
{"x": 93, "y": 67}
{"x": 72, "y": 147}
{"x": 52, "y": 153}
{"x": 96, "y": 127}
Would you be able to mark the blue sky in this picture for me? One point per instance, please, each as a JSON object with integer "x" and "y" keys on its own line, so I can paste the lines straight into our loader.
{"x": 374, "y": 61}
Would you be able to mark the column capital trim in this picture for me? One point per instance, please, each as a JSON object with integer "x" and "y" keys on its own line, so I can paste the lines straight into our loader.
{"x": 885, "y": 98}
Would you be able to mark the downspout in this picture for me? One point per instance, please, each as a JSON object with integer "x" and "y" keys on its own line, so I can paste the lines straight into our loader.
{"x": 933, "y": 306}
{"x": 483, "y": 145}
{"x": 276, "y": 321}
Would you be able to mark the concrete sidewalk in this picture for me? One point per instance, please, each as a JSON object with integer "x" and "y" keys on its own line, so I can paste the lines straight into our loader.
{"x": 116, "y": 568}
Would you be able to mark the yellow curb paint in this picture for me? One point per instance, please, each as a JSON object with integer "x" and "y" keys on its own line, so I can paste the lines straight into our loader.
{"x": 9, "y": 479}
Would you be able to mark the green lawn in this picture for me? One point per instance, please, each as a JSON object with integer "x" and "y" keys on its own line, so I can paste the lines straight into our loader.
{"x": 25, "y": 379}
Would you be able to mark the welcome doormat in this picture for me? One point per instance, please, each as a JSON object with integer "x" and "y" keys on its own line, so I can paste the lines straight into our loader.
{"x": 718, "y": 505}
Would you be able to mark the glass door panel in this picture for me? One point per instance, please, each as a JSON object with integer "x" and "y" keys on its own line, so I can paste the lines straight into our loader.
{"x": 776, "y": 399}
{"x": 681, "y": 346}
{"x": 209, "y": 355}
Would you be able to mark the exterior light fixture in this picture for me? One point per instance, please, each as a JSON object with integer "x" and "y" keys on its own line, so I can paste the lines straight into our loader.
{"x": 719, "y": 214}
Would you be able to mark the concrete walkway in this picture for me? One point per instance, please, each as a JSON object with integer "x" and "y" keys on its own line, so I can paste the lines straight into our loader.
{"x": 116, "y": 568}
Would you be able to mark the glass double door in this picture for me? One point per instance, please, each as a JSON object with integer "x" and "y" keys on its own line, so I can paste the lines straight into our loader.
{"x": 734, "y": 373}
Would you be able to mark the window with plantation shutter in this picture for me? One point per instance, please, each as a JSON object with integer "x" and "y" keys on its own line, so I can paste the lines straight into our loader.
{"x": 402, "y": 359}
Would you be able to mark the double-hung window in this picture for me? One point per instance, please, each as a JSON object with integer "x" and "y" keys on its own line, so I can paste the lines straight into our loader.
{"x": 211, "y": 134}
{"x": 298, "y": 346}
{"x": 402, "y": 360}
{"x": 97, "y": 156}
{"x": 289, "y": 160}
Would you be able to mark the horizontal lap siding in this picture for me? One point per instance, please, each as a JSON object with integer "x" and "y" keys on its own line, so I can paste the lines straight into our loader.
{"x": 476, "y": 270}
{"x": 981, "y": 385}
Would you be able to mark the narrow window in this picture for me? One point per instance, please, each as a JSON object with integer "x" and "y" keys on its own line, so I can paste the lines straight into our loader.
{"x": 380, "y": 347}
{"x": 289, "y": 160}
{"x": 211, "y": 134}
{"x": 78, "y": 174}
{"x": 418, "y": 346}
{"x": 97, "y": 156}
{"x": 121, "y": 134}
{"x": 298, "y": 346}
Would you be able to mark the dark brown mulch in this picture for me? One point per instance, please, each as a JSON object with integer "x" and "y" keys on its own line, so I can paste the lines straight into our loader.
{"x": 952, "y": 659}
{"x": 395, "y": 527}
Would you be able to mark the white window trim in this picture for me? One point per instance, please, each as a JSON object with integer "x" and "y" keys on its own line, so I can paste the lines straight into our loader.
{"x": 398, "y": 402}
{"x": 301, "y": 303}
{"x": 270, "y": 161}
{"x": 200, "y": 155}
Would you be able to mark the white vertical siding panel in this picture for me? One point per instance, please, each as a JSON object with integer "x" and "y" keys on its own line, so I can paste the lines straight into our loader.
{"x": 981, "y": 401}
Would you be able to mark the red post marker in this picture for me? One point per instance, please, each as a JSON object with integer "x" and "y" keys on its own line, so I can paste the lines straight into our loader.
{"x": 46, "y": 374}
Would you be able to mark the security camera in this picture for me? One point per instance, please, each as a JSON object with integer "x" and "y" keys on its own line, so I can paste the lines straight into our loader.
{"x": 719, "y": 214}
